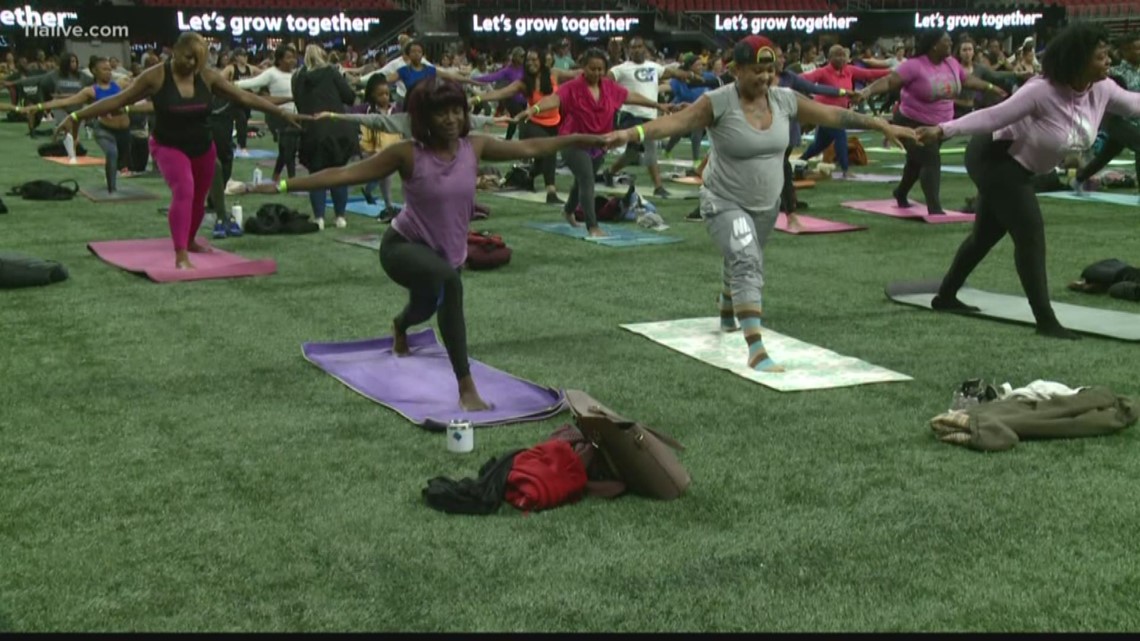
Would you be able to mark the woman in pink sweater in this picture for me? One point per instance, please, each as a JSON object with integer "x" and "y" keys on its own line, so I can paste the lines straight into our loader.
{"x": 1051, "y": 117}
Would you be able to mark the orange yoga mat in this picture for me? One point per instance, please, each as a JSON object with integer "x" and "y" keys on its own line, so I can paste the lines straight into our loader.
{"x": 81, "y": 161}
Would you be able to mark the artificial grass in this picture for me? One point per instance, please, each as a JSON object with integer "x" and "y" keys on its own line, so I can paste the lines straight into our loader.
{"x": 171, "y": 463}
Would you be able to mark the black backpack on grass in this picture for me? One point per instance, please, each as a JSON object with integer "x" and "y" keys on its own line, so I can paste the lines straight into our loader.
{"x": 57, "y": 150}
{"x": 45, "y": 190}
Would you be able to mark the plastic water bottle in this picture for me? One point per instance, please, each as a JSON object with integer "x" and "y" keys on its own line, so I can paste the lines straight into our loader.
{"x": 257, "y": 175}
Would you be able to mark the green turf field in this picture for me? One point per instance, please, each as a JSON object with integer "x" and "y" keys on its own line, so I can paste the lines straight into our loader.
{"x": 169, "y": 462}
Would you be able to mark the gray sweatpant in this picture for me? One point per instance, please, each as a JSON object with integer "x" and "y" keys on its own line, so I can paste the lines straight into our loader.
{"x": 740, "y": 235}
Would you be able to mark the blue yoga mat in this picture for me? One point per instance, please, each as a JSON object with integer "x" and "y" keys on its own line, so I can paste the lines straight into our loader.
{"x": 1129, "y": 200}
{"x": 946, "y": 169}
{"x": 619, "y": 236}
{"x": 361, "y": 208}
{"x": 258, "y": 154}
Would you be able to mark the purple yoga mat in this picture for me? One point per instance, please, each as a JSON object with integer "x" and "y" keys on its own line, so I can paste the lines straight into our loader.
{"x": 154, "y": 258}
{"x": 814, "y": 226}
{"x": 421, "y": 386}
{"x": 868, "y": 178}
{"x": 916, "y": 211}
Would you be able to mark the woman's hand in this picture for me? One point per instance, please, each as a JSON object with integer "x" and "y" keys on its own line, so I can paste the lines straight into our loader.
{"x": 64, "y": 127}
{"x": 325, "y": 115}
{"x": 294, "y": 119}
{"x": 894, "y": 135}
{"x": 616, "y": 139}
{"x": 929, "y": 135}
{"x": 522, "y": 116}
{"x": 263, "y": 188}
{"x": 998, "y": 90}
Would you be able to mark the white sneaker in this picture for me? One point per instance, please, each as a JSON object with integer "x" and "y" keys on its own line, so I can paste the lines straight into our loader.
{"x": 341, "y": 223}
{"x": 321, "y": 224}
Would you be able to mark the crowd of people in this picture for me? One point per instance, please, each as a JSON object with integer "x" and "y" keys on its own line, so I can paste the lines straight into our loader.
{"x": 408, "y": 117}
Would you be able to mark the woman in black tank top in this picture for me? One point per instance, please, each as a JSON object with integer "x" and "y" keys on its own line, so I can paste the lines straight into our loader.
{"x": 238, "y": 70}
{"x": 182, "y": 141}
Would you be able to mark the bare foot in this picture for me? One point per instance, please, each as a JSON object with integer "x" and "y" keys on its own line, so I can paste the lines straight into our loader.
{"x": 195, "y": 248}
{"x": 399, "y": 342}
{"x": 469, "y": 397}
{"x": 182, "y": 260}
{"x": 472, "y": 402}
{"x": 598, "y": 233}
{"x": 570, "y": 220}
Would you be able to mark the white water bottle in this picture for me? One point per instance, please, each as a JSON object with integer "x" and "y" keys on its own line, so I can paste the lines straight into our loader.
{"x": 257, "y": 175}
{"x": 69, "y": 145}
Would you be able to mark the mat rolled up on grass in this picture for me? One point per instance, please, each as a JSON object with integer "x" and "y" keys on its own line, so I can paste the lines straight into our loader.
{"x": 1128, "y": 200}
{"x": 154, "y": 258}
{"x": 81, "y": 161}
{"x": 808, "y": 367}
{"x": 421, "y": 386}
{"x": 866, "y": 178}
{"x": 917, "y": 211}
{"x": 1085, "y": 320}
{"x": 362, "y": 208}
{"x": 257, "y": 154}
{"x": 809, "y": 225}
{"x": 99, "y": 194}
{"x": 619, "y": 235}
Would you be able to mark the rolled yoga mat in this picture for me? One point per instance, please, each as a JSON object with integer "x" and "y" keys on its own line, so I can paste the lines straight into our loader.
{"x": 357, "y": 205}
{"x": 619, "y": 235}
{"x": 917, "y": 211}
{"x": 154, "y": 258}
{"x": 808, "y": 367}
{"x": 867, "y": 178}
{"x": 421, "y": 386}
{"x": 1086, "y": 320}
{"x": 534, "y": 197}
{"x": 811, "y": 225}
{"x": 946, "y": 169}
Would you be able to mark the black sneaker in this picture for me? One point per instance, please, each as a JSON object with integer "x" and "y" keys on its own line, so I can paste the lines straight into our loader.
{"x": 661, "y": 192}
{"x": 694, "y": 216}
{"x": 368, "y": 197}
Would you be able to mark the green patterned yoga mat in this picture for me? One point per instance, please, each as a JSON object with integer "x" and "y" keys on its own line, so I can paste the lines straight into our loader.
{"x": 808, "y": 367}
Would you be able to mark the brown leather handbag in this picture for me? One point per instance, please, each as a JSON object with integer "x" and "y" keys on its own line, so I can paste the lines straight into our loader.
{"x": 640, "y": 456}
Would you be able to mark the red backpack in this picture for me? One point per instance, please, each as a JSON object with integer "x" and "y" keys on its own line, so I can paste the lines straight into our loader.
{"x": 486, "y": 251}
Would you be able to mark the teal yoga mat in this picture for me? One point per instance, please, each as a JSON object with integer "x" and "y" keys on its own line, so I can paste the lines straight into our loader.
{"x": 1130, "y": 199}
{"x": 946, "y": 169}
{"x": 1086, "y": 320}
{"x": 619, "y": 236}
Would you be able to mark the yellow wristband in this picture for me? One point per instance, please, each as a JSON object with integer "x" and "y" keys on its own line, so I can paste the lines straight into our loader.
{"x": 640, "y": 133}
{"x": 282, "y": 186}
{"x": 127, "y": 109}
{"x": 990, "y": 87}
{"x": 75, "y": 116}
{"x": 40, "y": 106}
{"x": 842, "y": 92}
{"x": 537, "y": 109}
{"x": 332, "y": 116}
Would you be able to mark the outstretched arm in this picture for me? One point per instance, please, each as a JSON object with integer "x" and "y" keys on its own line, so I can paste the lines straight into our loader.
{"x": 84, "y": 96}
{"x": 392, "y": 159}
{"x": 142, "y": 88}
{"x": 977, "y": 84}
{"x": 697, "y": 116}
{"x": 891, "y": 82}
{"x": 222, "y": 87}
{"x": 814, "y": 113}
{"x": 500, "y": 94}
{"x": 389, "y": 123}
{"x": 634, "y": 98}
{"x": 495, "y": 149}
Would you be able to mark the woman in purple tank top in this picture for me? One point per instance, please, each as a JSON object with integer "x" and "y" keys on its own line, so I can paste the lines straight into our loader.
{"x": 182, "y": 142}
{"x": 426, "y": 246}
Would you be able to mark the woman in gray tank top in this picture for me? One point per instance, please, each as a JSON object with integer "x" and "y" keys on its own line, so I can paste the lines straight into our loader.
{"x": 748, "y": 124}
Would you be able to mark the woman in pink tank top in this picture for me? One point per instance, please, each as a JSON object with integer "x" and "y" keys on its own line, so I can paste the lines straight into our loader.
{"x": 426, "y": 246}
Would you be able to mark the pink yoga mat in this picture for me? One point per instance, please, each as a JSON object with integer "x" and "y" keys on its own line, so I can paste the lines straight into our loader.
{"x": 154, "y": 258}
{"x": 916, "y": 211}
{"x": 815, "y": 226}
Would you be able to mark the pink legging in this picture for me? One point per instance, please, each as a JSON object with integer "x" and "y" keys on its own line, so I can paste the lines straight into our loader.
{"x": 189, "y": 180}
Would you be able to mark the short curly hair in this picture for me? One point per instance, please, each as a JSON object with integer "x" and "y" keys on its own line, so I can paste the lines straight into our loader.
{"x": 428, "y": 98}
{"x": 1069, "y": 53}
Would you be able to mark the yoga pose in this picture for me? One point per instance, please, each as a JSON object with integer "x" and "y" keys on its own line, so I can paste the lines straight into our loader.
{"x": 182, "y": 142}
{"x": 377, "y": 100}
{"x": 278, "y": 80}
{"x": 928, "y": 85}
{"x": 538, "y": 82}
{"x": 236, "y": 71}
{"x": 426, "y": 246}
{"x": 1123, "y": 133}
{"x": 1052, "y": 116}
{"x": 841, "y": 75}
{"x": 749, "y": 125}
{"x": 588, "y": 105}
{"x": 112, "y": 131}
{"x": 642, "y": 77}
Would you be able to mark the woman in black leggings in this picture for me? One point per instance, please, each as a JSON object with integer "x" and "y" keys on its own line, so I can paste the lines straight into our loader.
{"x": 928, "y": 85}
{"x": 539, "y": 82}
{"x": 426, "y": 246}
{"x": 1050, "y": 117}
